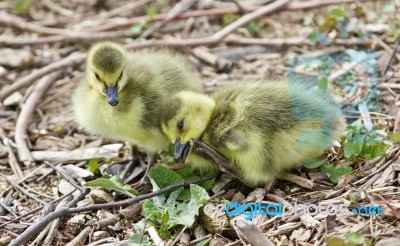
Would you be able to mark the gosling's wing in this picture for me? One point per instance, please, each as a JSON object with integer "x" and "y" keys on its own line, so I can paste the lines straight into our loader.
{"x": 172, "y": 71}
{"x": 226, "y": 128}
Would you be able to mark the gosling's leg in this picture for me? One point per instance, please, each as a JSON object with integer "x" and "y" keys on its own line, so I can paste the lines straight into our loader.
{"x": 151, "y": 160}
{"x": 136, "y": 163}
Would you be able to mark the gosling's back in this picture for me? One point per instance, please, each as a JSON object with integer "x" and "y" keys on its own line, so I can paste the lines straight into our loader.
{"x": 266, "y": 127}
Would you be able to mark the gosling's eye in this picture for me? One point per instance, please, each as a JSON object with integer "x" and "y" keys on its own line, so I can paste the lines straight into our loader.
{"x": 97, "y": 76}
{"x": 181, "y": 124}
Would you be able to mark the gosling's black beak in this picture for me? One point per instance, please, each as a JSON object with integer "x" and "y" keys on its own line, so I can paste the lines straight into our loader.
{"x": 181, "y": 151}
{"x": 112, "y": 95}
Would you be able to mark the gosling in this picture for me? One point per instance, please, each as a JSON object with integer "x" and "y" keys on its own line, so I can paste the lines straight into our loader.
{"x": 122, "y": 93}
{"x": 262, "y": 127}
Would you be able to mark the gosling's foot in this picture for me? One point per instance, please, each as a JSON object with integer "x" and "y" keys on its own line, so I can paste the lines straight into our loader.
{"x": 129, "y": 169}
{"x": 134, "y": 167}
{"x": 145, "y": 180}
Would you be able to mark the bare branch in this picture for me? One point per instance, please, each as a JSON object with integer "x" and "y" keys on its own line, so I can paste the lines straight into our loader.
{"x": 218, "y": 36}
{"x": 38, "y": 226}
{"x": 71, "y": 60}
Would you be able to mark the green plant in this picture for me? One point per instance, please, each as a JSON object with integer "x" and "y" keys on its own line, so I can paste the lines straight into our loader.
{"x": 253, "y": 27}
{"x": 363, "y": 142}
{"x": 334, "y": 172}
{"x": 351, "y": 239}
{"x": 177, "y": 208}
{"x": 93, "y": 165}
{"x": 113, "y": 183}
{"x": 21, "y": 6}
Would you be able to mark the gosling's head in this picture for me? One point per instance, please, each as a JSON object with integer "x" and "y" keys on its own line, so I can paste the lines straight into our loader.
{"x": 105, "y": 66}
{"x": 184, "y": 117}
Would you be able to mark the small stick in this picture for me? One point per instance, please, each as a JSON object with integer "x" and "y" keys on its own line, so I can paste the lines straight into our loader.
{"x": 21, "y": 136}
{"x": 303, "y": 182}
{"x": 155, "y": 237}
{"x": 106, "y": 151}
{"x": 252, "y": 233}
{"x": 18, "y": 187}
{"x": 221, "y": 64}
{"x": 179, "y": 236}
{"x": 12, "y": 160}
{"x": 81, "y": 238}
{"x": 128, "y": 213}
{"x": 65, "y": 175}
{"x": 380, "y": 169}
{"x": 178, "y": 9}
{"x": 54, "y": 225}
{"x": 389, "y": 61}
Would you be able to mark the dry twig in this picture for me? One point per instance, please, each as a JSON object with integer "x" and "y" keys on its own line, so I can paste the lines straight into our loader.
{"x": 21, "y": 136}
{"x": 217, "y": 11}
{"x": 178, "y": 9}
{"x": 252, "y": 233}
{"x": 216, "y": 37}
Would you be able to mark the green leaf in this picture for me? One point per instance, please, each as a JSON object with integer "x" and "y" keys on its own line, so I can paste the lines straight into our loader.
{"x": 208, "y": 184}
{"x": 21, "y": 6}
{"x": 353, "y": 146}
{"x": 334, "y": 241}
{"x": 323, "y": 83}
{"x": 354, "y": 238}
{"x": 184, "y": 195}
{"x": 336, "y": 13}
{"x": 113, "y": 183}
{"x": 366, "y": 143}
{"x": 228, "y": 18}
{"x": 373, "y": 147}
{"x": 395, "y": 33}
{"x": 198, "y": 193}
{"x": 163, "y": 177}
{"x": 314, "y": 164}
{"x": 204, "y": 242}
{"x": 253, "y": 27}
{"x": 185, "y": 213}
{"x": 394, "y": 137}
{"x": 93, "y": 165}
{"x": 164, "y": 219}
{"x": 335, "y": 173}
{"x": 308, "y": 20}
{"x": 138, "y": 27}
{"x": 165, "y": 210}
{"x": 171, "y": 201}
{"x": 186, "y": 172}
{"x": 151, "y": 12}
{"x": 153, "y": 212}
{"x": 329, "y": 23}
{"x": 314, "y": 37}
{"x": 139, "y": 240}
